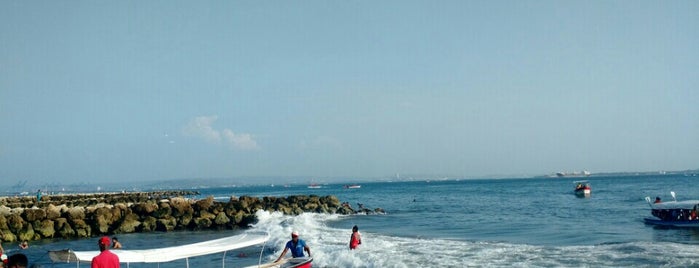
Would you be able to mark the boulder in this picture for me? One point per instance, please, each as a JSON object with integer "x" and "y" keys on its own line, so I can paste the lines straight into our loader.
{"x": 104, "y": 218}
{"x": 45, "y": 228}
{"x": 221, "y": 219}
{"x": 65, "y": 230}
{"x": 129, "y": 225}
{"x": 15, "y": 223}
{"x": 81, "y": 228}
{"x": 166, "y": 224}
{"x": 8, "y": 237}
{"x": 184, "y": 221}
{"x": 181, "y": 207}
{"x": 204, "y": 204}
{"x": 5, "y": 211}
{"x": 149, "y": 224}
{"x": 201, "y": 223}
{"x": 144, "y": 209}
{"x": 53, "y": 212}
{"x": 27, "y": 233}
{"x": 3, "y": 224}
{"x": 164, "y": 210}
{"x": 76, "y": 213}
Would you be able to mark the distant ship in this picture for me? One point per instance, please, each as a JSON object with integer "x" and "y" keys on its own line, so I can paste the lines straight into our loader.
{"x": 573, "y": 174}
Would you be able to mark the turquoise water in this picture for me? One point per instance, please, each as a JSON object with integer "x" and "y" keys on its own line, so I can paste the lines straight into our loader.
{"x": 505, "y": 222}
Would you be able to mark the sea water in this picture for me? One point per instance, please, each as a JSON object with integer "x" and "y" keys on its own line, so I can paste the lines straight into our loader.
{"x": 532, "y": 222}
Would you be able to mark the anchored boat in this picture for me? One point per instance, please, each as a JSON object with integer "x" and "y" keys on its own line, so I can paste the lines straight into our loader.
{"x": 673, "y": 213}
{"x": 165, "y": 254}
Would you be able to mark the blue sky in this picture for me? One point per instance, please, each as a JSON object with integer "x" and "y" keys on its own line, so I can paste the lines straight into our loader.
{"x": 149, "y": 90}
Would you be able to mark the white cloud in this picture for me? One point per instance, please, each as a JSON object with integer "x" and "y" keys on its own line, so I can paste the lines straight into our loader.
{"x": 243, "y": 141}
{"x": 201, "y": 127}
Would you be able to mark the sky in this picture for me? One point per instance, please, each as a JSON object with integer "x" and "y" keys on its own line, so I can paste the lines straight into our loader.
{"x": 106, "y": 91}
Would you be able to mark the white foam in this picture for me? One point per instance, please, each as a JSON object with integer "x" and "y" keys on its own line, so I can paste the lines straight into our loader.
{"x": 330, "y": 248}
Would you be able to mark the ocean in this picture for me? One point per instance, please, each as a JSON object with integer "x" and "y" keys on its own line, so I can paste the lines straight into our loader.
{"x": 531, "y": 222}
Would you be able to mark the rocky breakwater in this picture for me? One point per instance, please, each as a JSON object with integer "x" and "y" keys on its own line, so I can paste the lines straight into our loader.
{"x": 87, "y": 215}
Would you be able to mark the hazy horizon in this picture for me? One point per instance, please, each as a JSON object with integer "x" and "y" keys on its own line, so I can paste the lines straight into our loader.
{"x": 144, "y": 91}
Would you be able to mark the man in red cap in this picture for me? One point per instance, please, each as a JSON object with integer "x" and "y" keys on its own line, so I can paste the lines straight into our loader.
{"x": 296, "y": 245}
{"x": 106, "y": 259}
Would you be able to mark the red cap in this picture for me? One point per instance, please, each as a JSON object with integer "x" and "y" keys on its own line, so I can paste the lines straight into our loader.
{"x": 105, "y": 241}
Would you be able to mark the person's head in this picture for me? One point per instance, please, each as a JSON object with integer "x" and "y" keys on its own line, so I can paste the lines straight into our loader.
{"x": 355, "y": 228}
{"x": 115, "y": 239}
{"x": 18, "y": 260}
{"x": 294, "y": 235}
{"x": 657, "y": 198}
{"x": 104, "y": 243}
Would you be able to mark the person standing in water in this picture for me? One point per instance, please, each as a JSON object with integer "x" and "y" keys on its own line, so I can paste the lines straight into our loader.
{"x": 115, "y": 243}
{"x": 355, "y": 238}
{"x": 296, "y": 245}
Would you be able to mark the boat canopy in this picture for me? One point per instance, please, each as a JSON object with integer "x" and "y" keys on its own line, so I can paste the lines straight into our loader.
{"x": 167, "y": 254}
{"x": 687, "y": 204}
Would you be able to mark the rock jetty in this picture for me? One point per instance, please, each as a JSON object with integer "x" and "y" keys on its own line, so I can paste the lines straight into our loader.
{"x": 87, "y": 215}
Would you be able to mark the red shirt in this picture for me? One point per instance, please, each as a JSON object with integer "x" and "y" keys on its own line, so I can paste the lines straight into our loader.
{"x": 355, "y": 240}
{"x": 106, "y": 259}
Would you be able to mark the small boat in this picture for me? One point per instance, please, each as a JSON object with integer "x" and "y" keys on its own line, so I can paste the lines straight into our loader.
{"x": 352, "y": 186}
{"x": 299, "y": 262}
{"x": 166, "y": 254}
{"x": 314, "y": 186}
{"x": 674, "y": 213}
{"x": 582, "y": 188}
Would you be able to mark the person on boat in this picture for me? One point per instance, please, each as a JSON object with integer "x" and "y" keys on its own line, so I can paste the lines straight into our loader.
{"x": 18, "y": 260}
{"x": 106, "y": 259}
{"x": 296, "y": 245}
{"x": 355, "y": 238}
{"x": 657, "y": 200}
{"x": 115, "y": 243}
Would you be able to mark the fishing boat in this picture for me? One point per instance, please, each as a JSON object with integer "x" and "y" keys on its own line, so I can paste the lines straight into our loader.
{"x": 352, "y": 186}
{"x": 582, "y": 188}
{"x": 299, "y": 262}
{"x": 314, "y": 186}
{"x": 165, "y": 254}
{"x": 673, "y": 213}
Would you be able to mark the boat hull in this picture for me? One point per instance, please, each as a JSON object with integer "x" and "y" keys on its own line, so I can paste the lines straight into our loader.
{"x": 300, "y": 262}
{"x": 583, "y": 192}
{"x": 678, "y": 224}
